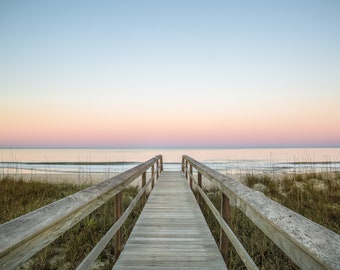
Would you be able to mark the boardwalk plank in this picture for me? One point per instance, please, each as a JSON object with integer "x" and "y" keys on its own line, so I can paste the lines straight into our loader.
{"x": 171, "y": 232}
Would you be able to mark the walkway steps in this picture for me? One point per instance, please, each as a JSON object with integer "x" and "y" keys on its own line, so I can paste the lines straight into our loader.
{"x": 171, "y": 232}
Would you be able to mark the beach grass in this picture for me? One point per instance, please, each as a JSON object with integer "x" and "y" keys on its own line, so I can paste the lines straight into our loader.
{"x": 18, "y": 197}
{"x": 313, "y": 195}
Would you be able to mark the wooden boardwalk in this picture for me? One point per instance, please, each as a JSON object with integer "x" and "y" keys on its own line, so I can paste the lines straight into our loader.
{"x": 171, "y": 232}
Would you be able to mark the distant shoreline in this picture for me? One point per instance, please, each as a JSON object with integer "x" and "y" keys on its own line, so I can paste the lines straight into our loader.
{"x": 136, "y": 162}
{"x": 73, "y": 163}
{"x": 167, "y": 147}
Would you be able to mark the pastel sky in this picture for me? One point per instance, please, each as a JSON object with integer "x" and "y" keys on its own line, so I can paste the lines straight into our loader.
{"x": 169, "y": 73}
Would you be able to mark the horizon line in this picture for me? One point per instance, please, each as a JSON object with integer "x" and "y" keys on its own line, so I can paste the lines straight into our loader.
{"x": 169, "y": 147}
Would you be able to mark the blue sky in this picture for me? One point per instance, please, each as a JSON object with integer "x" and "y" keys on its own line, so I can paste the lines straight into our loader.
{"x": 268, "y": 71}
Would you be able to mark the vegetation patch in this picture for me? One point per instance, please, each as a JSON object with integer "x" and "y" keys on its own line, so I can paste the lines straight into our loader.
{"x": 66, "y": 252}
{"x": 313, "y": 195}
{"x": 18, "y": 197}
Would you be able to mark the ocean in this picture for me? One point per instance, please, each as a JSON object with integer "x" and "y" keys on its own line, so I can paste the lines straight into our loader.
{"x": 226, "y": 160}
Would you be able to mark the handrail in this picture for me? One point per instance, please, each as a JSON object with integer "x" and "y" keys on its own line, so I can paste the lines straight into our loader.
{"x": 92, "y": 256}
{"x": 247, "y": 260}
{"x": 23, "y": 237}
{"x": 308, "y": 244}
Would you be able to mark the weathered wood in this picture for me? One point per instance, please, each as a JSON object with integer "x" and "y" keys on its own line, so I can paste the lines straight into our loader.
{"x": 186, "y": 169}
{"x": 171, "y": 232}
{"x": 225, "y": 213}
{"x": 87, "y": 263}
{"x": 161, "y": 160}
{"x": 183, "y": 162}
{"x": 143, "y": 184}
{"x": 191, "y": 177}
{"x": 24, "y": 236}
{"x": 153, "y": 175}
{"x": 247, "y": 260}
{"x": 118, "y": 211}
{"x": 308, "y": 244}
{"x": 199, "y": 183}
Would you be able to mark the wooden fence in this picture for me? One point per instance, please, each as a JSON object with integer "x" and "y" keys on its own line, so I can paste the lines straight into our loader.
{"x": 25, "y": 236}
{"x": 308, "y": 244}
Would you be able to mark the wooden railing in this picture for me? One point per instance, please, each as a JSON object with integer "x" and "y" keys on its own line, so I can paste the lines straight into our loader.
{"x": 308, "y": 244}
{"x": 25, "y": 236}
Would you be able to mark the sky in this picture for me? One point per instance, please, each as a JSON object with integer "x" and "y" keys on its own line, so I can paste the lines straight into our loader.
{"x": 169, "y": 73}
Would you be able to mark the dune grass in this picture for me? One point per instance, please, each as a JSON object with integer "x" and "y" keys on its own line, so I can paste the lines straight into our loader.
{"x": 313, "y": 195}
{"x": 18, "y": 197}
{"x": 316, "y": 196}
{"x": 66, "y": 252}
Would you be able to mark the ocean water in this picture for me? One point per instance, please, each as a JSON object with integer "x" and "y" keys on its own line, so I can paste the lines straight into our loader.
{"x": 225, "y": 160}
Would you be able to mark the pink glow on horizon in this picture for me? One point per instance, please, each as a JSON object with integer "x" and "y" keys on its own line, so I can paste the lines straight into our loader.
{"x": 157, "y": 74}
{"x": 205, "y": 124}
{"x": 169, "y": 132}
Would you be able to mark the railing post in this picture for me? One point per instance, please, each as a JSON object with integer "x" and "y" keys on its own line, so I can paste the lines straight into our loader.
{"x": 118, "y": 211}
{"x": 186, "y": 169}
{"x": 190, "y": 176}
{"x": 153, "y": 176}
{"x": 157, "y": 168}
{"x": 183, "y": 164}
{"x": 161, "y": 163}
{"x": 143, "y": 185}
{"x": 199, "y": 183}
{"x": 225, "y": 213}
